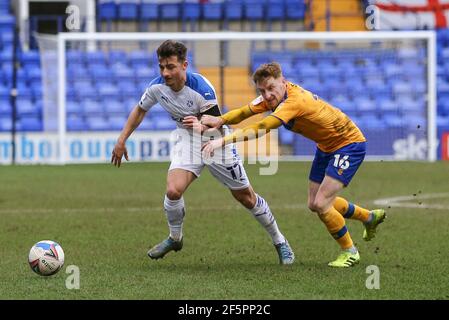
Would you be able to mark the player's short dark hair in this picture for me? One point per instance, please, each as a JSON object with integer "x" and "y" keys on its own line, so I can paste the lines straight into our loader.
{"x": 171, "y": 48}
{"x": 267, "y": 70}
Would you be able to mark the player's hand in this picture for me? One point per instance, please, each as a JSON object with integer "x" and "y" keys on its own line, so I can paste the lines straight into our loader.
{"x": 193, "y": 123}
{"x": 209, "y": 147}
{"x": 211, "y": 121}
{"x": 118, "y": 152}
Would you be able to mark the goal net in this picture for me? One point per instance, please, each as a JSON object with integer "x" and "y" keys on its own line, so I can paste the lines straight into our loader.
{"x": 384, "y": 81}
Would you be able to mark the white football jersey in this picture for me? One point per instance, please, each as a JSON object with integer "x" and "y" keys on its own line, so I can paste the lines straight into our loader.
{"x": 197, "y": 96}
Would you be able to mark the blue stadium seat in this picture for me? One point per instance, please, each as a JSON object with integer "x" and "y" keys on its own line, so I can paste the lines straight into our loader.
{"x": 394, "y": 121}
{"x": 95, "y": 57}
{"x": 36, "y": 90}
{"x": 117, "y": 56}
{"x": 73, "y": 107}
{"x": 115, "y": 108}
{"x": 34, "y": 74}
{"x": 108, "y": 92}
{"x": 97, "y": 123}
{"x": 91, "y": 107}
{"x": 75, "y": 57}
{"x": 5, "y": 124}
{"x": 23, "y": 91}
{"x": 416, "y": 122}
{"x": 26, "y": 107}
{"x": 124, "y": 74}
{"x": 129, "y": 90}
{"x": 128, "y": 9}
{"x": 4, "y": 93}
{"x": 402, "y": 88}
{"x": 365, "y": 105}
{"x": 212, "y": 11}
{"x": 116, "y": 122}
{"x": 5, "y": 108}
{"x": 170, "y": 11}
{"x": 6, "y": 55}
{"x": 253, "y": 9}
{"x": 443, "y": 121}
{"x": 7, "y": 23}
{"x": 146, "y": 74}
{"x": 30, "y": 59}
{"x": 191, "y": 10}
{"x": 344, "y": 103}
{"x": 140, "y": 58}
{"x": 146, "y": 124}
{"x": 76, "y": 123}
{"x": 101, "y": 74}
{"x": 31, "y": 123}
{"x": 233, "y": 10}
{"x": 275, "y": 10}
{"x": 85, "y": 92}
{"x": 371, "y": 122}
{"x": 149, "y": 10}
{"x": 107, "y": 10}
{"x": 78, "y": 73}
{"x": 295, "y": 9}
{"x": 443, "y": 107}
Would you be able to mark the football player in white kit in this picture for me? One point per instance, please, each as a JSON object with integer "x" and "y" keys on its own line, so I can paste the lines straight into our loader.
{"x": 187, "y": 96}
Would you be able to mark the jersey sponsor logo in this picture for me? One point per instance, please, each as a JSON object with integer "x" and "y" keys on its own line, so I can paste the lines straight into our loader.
{"x": 207, "y": 94}
{"x": 190, "y": 104}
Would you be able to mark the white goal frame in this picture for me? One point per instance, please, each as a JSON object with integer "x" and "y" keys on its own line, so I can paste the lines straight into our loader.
{"x": 429, "y": 36}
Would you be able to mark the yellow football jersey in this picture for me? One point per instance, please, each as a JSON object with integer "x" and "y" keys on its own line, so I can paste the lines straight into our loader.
{"x": 306, "y": 114}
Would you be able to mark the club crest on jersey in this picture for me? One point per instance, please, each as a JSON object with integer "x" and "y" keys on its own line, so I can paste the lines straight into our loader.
{"x": 190, "y": 104}
{"x": 164, "y": 98}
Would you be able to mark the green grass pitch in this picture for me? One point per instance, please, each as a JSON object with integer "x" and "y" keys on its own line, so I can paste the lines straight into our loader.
{"x": 106, "y": 219}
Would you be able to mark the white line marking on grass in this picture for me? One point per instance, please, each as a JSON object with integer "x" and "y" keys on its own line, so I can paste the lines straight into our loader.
{"x": 405, "y": 201}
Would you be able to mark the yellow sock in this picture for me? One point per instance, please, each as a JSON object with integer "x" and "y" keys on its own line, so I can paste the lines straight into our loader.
{"x": 336, "y": 226}
{"x": 350, "y": 210}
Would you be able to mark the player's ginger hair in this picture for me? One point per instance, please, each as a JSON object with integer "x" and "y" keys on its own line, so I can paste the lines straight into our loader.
{"x": 267, "y": 70}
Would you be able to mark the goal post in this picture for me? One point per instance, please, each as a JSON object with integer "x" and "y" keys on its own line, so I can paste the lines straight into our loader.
{"x": 305, "y": 45}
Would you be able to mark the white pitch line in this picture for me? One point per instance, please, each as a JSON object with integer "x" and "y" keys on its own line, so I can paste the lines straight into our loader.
{"x": 402, "y": 201}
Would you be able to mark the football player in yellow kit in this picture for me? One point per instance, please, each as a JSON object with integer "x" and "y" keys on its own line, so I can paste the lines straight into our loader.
{"x": 340, "y": 150}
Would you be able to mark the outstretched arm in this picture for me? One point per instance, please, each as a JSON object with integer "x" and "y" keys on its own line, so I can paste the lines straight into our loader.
{"x": 253, "y": 131}
{"x": 135, "y": 118}
{"x": 231, "y": 117}
{"x": 237, "y": 115}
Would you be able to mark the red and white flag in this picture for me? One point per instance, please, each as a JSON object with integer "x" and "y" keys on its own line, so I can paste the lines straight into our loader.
{"x": 411, "y": 14}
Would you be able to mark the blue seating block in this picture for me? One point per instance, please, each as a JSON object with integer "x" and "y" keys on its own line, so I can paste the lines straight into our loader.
{"x": 107, "y": 10}
{"x": 212, "y": 10}
{"x": 233, "y": 10}
{"x": 171, "y": 11}
{"x": 149, "y": 11}
{"x": 128, "y": 10}
{"x": 295, "y": 9}
{"x": 191, "y": 10}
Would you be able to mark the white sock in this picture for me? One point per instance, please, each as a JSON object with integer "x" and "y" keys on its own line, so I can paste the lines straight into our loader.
{"x": 262, "y": 213}
{"x": 175, "y": 212}
{"x": 352, "y": 250}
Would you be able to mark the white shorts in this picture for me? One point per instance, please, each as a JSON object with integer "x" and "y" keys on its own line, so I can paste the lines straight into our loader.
{"x": 226, "y": 167}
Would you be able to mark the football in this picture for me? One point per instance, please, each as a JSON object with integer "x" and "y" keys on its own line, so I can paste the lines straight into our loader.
{"x": 46, "y": 258}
